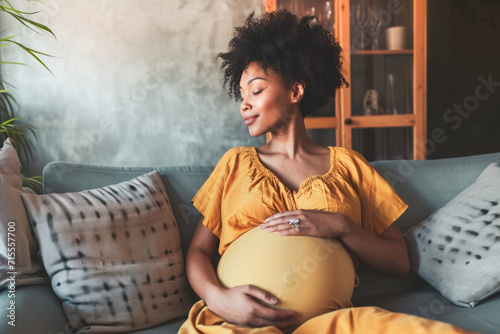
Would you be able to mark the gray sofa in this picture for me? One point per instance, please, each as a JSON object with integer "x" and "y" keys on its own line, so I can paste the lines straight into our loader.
{"x": 424, "y": 185}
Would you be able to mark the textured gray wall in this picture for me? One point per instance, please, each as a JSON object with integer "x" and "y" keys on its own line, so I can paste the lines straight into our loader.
{"x": 134, "y": 82}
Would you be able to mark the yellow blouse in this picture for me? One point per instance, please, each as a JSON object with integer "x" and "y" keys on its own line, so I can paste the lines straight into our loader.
{"x": 241, "y": 193}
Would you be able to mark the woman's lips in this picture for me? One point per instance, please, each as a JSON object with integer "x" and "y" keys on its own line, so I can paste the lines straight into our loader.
{"x": 250, "y": 120}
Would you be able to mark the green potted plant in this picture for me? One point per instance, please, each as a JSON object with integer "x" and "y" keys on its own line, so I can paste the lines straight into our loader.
{"x": 18, "y": 129}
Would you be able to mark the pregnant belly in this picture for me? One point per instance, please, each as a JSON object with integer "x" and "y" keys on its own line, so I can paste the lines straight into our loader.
{"x": 309, "y": 275}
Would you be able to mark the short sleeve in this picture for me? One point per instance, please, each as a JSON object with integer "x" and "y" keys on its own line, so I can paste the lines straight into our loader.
{"x": 208, "y": 199}
{"x": 380, "y": 204}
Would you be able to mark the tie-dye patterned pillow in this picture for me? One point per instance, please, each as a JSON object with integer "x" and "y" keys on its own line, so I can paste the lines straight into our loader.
{"x": 113, "y": 255}
{"x": 457, "y": 249}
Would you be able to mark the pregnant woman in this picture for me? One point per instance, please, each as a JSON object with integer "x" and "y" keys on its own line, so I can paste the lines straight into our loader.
{"x": 292, "y": 219}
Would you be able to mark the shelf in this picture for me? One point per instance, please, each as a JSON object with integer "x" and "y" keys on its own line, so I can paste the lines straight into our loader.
{"x": 320, "y": 122}
{"x": 385, "y": 121}
{"x": 382, "y": 52}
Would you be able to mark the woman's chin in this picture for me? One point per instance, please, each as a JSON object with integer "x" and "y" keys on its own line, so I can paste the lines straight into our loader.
{"x": 255, "y": 133}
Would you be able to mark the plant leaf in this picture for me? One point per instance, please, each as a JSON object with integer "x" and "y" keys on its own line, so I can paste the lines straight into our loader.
{"x": 32, "y": 53}
{"x": 12, "y": 63}
{"x": 17, "y": 14}
{"x": 33, "y": 182}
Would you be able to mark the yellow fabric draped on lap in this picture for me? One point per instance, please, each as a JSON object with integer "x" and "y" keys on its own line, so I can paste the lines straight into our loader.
{"x": 354, "y": 320}
{"x": 241, "y": 193}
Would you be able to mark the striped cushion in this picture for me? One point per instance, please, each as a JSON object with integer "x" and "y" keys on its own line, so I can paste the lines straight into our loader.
{"x": 113, "y": 255}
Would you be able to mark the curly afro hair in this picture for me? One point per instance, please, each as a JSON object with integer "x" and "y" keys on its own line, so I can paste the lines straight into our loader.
{"x": 299, "y": 51}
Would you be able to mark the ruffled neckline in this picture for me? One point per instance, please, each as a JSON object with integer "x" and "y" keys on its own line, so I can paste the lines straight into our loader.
{"x": 305, "y": 183}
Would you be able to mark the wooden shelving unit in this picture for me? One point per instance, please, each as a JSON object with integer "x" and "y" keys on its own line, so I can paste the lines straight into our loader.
{"x": 365, "y": 68}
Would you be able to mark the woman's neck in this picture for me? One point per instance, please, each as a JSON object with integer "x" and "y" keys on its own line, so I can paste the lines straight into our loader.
{"x": 291, "y": 140}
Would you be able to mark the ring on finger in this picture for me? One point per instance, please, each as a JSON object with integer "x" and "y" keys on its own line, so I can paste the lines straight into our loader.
{"x": 295, "y": 222}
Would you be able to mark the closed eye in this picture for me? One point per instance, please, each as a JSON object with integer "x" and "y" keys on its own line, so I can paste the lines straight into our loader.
{"x": 258, "y": 92}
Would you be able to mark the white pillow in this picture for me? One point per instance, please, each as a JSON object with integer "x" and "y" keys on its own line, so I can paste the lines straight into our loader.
{"x": 113, "y": 255}
{"x": 19, "y": 255}
{"x": 457, "y": 249}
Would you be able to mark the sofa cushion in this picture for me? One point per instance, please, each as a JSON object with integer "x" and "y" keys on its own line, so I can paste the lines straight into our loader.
{"x": 17, "y": 243}
{"x": 36, "y": 310}
{"x": 427, "y": 185}
{"x": 113, "y": 254}
{"x": 457, "y": 248}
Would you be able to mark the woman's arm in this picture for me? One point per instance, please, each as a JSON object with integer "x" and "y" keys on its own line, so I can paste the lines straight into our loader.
{"x": 386, "y": 254}
{"x": 199, "y": 268}
{"x": 240, "y": 305}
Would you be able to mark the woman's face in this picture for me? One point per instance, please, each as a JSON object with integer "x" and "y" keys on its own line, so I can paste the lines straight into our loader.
{"x": 266, "y": 104}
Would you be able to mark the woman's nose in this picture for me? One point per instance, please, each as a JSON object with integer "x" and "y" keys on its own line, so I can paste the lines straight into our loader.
{"x": 245, "y": 106}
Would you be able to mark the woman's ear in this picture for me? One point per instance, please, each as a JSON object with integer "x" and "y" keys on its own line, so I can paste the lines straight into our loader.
{"x": 298, "y": 91}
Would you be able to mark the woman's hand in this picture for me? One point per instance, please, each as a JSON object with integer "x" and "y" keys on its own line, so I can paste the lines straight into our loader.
{"x": 245, "y": 305}
{"x": 386, "y": 254}
{"x": 312, "y": 222}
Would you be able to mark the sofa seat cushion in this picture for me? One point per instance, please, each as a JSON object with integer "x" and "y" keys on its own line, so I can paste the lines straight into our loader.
{"x": 169, "y": 327}
{"x": 373, "y": 283}
{"x": 37, "y": 310}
